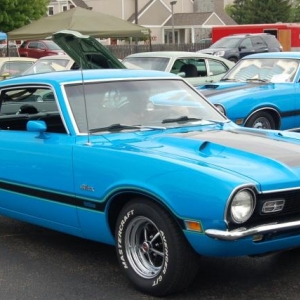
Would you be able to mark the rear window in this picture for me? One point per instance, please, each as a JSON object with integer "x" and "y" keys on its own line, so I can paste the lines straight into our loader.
{"x": 146, "y": 63}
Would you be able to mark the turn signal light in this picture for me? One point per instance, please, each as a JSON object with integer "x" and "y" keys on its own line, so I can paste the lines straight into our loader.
{"x": 193, "y": 226}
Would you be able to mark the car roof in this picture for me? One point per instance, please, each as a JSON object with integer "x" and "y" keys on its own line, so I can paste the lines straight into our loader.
{"x": 94, "y": 74}
{"x": 170, "y": 54}
{"x": 16, "y": 58}
{"x": 54, "y": 57}
{"x": 284, "y": 54}
{"x": 239, "y": 35}
{"x": 43, "y": 40}
{"x": 177, "y": 54}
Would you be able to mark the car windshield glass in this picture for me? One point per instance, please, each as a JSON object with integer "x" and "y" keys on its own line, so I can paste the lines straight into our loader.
{"x": 147, "y": 103}
{"x": 15, "y": 67}
{"x": 146, "y": 63}
{"x": 62, "y": 61}
{"x": 43, "y": 66}
{"x": 52, "y": 46}
{"x": 226, "y": 43}
{"x": 273, "y": 70}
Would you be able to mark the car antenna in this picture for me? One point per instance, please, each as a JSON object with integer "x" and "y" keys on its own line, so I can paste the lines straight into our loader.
{"x": 85, "y": 106}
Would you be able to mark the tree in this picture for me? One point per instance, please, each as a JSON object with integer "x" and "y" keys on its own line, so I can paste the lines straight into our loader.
{"x": 260, "y": 12}
{"x": 295, "y": 12}
{"x": 17, "y": 13}
{"x": 238, "y": 11}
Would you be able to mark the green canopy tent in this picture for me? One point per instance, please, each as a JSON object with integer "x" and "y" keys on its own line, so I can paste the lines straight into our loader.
{"x": 85, "y": 21}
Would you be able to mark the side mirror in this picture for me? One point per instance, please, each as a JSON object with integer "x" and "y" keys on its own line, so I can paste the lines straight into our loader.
{"x": 37, "y": 126}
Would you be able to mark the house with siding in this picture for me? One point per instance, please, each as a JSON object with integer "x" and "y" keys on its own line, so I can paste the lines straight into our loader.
{"x": 191, "y": 20}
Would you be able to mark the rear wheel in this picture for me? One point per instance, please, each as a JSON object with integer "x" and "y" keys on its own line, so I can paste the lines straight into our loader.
{"x": 152, "y": 249}
{"x": 262, "y": 120}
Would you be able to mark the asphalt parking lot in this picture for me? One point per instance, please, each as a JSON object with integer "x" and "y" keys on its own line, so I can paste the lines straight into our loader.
{"x": 37, "y": 263}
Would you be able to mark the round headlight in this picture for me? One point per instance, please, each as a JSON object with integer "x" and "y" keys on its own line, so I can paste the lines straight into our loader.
{"x": 242, "y": 206}
{"x": 221, "y": 109}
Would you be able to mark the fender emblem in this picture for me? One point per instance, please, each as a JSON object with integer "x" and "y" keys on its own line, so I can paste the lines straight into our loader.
{"x": 87, "y": 188}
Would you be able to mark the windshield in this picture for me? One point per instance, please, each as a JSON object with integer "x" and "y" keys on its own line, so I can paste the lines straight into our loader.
{"x": 150, "y": 103}
{"x": 15, "y": 67}
{"x": 45, "y": 66}
{"x": 52, "y": 46}
{"x": 273, "y": 70}
{"x": 146, "y": 63}
{"x": 226, "y": 43}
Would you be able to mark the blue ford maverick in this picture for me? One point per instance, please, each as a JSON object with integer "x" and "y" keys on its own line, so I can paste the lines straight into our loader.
{"x": 141, "y": 161}
{"x": 261, "y": 91}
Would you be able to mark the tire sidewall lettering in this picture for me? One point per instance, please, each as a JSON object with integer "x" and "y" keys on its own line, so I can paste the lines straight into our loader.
{"x": 121, "y": 253}
{"x": 163, "y": 272}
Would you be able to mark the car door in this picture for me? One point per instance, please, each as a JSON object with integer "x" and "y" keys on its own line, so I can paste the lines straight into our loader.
{"x": 36, "y": 173}
{"x": 245, "y": 47}
{"x": 32, "y": 49}
{"x": 259, "y": 44}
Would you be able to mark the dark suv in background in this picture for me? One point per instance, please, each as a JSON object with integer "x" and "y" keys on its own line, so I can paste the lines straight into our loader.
{"x": 236, "y": 46}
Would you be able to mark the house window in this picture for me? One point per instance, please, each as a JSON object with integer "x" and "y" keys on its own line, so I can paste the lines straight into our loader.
{"x": 50, "y": 11}
{"x": 65, "y": 7}
{"x": 169, "y": 36}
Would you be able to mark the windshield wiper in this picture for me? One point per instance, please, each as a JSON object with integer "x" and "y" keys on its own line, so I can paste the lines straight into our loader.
{"x": 230, "y": 79}
{"x": 180, "y": 119}
{"x": 257, "y": 79}
{"x": 120, "y": 127}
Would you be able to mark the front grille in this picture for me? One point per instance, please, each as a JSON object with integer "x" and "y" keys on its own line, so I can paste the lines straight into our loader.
{"x": 290, "y": 212}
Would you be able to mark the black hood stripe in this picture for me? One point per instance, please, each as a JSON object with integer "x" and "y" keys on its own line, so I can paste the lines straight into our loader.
{"x": 210, "y": 92}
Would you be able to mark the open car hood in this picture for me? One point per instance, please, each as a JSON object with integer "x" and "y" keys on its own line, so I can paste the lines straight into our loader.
{"x": 86, "y": 51}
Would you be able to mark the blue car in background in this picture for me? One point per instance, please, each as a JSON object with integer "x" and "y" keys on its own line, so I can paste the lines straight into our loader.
{"x": 260, "y": 91}
{"x": 140, "y": 160}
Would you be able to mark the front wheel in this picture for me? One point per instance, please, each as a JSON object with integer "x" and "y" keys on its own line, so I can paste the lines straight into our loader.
{"x": 262, "y": 120}
{"x": 152, "y": 249}
{"x": 233, "y": 59}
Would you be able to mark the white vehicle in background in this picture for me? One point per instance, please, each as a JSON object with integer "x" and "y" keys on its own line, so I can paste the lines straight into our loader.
{"x": 196, "y": 68}
{"x": 50, "y": 64}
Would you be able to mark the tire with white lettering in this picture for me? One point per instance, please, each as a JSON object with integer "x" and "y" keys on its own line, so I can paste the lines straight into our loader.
{"x": 152, "y": 249}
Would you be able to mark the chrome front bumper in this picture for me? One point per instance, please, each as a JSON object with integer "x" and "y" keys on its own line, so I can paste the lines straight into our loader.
{"x": 243, "y": 232}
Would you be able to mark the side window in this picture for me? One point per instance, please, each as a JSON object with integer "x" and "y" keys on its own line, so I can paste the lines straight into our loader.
{"x": 216, "y": 67}
{"x": 192, "y": 67}
{"x": 33, "y": 45}
{"x": 189, "y": 69}
{"x": 41, "y": 46}
{"x": 258, "y": 42}
{"x": 246, "y": 43}
{"x": 27, "y": 101}
{"x": 176, "y": 66}
{"x": 200, "y": 65}
{"x": 20, "y": 105}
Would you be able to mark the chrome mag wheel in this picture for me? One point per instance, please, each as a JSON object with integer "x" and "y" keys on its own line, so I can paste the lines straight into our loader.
{"x": 144, "y": 247}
